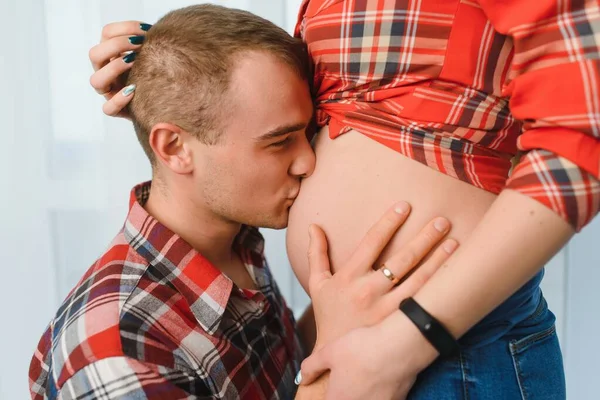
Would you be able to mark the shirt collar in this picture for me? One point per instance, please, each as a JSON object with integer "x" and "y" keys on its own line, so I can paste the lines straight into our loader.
{"x": 205, "y": 288}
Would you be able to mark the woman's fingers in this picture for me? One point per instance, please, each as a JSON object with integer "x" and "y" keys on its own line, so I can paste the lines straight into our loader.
{"x": 318, "y": 258}
{"x": 115, "y": 105}
{"x": 106, "y": 80}
{"x": 422, "y": 274}
{"x": 377, "y": 238}
{"x": 124, "y": 28}
{"x": 403, "y": 261}
{"x": 101, "y": 54}
{"x": 112, "y": 59}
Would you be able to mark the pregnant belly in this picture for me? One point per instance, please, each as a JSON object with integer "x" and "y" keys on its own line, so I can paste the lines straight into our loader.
{"x": 355, "y": 180}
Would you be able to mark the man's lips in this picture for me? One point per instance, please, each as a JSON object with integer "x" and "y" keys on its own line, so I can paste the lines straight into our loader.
{"x": 294, "y": 195}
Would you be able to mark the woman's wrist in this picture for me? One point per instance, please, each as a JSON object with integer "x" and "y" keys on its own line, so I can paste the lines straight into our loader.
{"x": 430, "y": 327}
{"x": 509, "y": 246}
{"x": 406, "y": 342}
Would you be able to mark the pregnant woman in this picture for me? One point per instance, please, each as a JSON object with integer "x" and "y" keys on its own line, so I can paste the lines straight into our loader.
{"x": 433, "y": 103}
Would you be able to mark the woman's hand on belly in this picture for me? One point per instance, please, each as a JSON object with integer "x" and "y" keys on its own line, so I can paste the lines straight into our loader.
{"x": 355, "y": 180}
{"x": 358, "y": 295}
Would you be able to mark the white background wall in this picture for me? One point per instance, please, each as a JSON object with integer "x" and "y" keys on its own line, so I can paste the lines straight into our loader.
{"x": 66, "y": 171}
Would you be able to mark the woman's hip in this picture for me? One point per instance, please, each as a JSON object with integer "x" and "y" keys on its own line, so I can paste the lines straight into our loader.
{"x": 525, "y": 363}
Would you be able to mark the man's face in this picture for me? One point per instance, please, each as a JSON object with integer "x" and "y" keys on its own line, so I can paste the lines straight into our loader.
{"x": 253, "y": 174}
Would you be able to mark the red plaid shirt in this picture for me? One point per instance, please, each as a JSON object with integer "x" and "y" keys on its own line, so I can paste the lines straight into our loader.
{"x": 462, "y": 85}
{"x": 153, "y": 319}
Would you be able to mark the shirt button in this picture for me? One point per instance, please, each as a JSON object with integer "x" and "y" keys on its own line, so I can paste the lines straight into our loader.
{"x": 261, "y": 305}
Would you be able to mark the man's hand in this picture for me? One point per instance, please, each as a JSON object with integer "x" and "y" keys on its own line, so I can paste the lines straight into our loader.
{"x": 364, "y": 364}
{"x": 359, "y": 296}
{"x": 112, "y": 60}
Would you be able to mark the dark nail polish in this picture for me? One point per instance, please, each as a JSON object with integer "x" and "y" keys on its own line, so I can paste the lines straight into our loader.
{"x": 129, "y": 58}
{"x": 145, "y": 27}
{"x": 137, "y": 39}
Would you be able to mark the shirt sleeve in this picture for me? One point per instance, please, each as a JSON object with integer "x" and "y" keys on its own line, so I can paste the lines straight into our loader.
{"x": 39, "y": 367}
{"x": 127, "y": 378}
{"x": 554, "y": 88}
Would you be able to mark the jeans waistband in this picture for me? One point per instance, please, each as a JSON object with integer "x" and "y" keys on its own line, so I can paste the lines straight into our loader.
{"x": 525, "y": 304}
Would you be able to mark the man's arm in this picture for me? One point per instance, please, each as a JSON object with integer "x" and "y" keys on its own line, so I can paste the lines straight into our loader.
{"x": 127, "y": 378}
{"x": 307, "y": 330}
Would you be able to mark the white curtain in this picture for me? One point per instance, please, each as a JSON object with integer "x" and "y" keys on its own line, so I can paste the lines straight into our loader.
{"x": 66, "y": 171}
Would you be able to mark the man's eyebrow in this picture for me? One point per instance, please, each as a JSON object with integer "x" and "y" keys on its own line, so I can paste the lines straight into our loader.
{"x": 282, "y": 130}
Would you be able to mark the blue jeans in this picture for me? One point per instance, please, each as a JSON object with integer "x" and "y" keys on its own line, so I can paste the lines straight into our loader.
{"x": 525, "y": 363}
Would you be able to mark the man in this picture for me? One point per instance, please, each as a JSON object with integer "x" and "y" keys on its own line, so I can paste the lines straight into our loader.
{"x": 183, "y": 304}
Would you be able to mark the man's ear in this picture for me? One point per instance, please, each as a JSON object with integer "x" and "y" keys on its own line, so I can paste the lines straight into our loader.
{"x": 171, "y": 148}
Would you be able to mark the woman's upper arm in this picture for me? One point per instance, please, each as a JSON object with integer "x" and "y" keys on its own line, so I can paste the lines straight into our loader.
{"x": 554, "y": 88}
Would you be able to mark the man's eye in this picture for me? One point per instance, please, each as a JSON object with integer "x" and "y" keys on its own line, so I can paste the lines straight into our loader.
{"x": 282, "y": 142}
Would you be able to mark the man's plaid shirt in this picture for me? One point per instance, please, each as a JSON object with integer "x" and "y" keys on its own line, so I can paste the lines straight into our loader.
{"x": 153, "y": 319}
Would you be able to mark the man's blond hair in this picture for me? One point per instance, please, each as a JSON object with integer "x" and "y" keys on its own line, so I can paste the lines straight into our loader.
{"x": 184, "y": 66}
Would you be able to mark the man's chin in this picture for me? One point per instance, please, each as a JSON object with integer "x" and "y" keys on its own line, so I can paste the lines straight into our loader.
{"x": 275, "y": 225}
{"x": 275, "y": 222}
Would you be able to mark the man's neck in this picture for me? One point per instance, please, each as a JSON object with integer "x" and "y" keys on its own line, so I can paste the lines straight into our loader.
{"x": 210, "y": 235}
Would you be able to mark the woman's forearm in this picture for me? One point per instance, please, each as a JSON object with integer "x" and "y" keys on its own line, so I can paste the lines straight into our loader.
{"x": 516, "y": 237}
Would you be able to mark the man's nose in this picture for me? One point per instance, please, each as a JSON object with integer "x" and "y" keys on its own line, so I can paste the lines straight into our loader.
{"x": 304, "y": 165}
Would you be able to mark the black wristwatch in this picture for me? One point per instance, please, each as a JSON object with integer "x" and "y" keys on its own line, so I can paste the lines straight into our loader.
{"x": 432, "y": 329}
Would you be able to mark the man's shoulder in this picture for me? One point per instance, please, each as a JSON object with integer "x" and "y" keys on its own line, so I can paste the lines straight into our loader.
{"x": 103, "y": 289}
{"x": 87, "y": 325}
